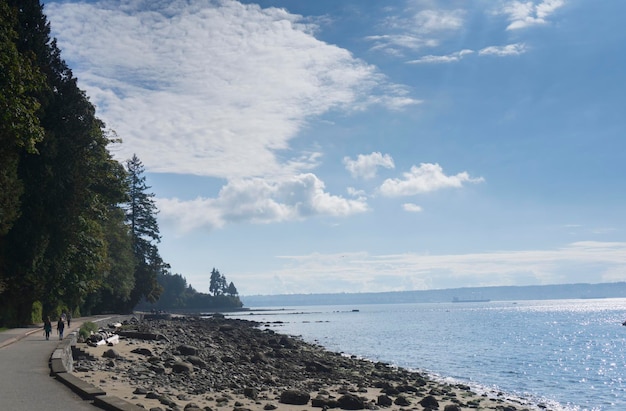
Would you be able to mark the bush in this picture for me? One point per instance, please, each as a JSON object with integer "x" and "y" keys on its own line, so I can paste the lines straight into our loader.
{"x": 36, "y": 313}
{"x": 87, "y": 328}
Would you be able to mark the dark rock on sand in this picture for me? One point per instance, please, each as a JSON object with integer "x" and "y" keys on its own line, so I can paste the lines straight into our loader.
{"x": 294, "y": 397}
{"x": 402, "y": 401}
{"x": 187, "y": 350}
{"x": 111, "y": 353}
{"x": 351, "y": 402}
{"x": 180, "y": 366}
{"x": 429, "y": 402}
{"x": 384, "y": 401}
{"x": 142, "y": 351}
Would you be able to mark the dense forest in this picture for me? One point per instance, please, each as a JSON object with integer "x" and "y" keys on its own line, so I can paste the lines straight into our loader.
{"x": 78, "y": 229}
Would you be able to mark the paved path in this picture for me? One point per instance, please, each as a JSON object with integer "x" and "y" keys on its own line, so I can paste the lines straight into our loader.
{"x": 25, "y": 381}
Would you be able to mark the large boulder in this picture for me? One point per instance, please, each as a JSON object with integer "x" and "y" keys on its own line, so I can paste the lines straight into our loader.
{"x": 182, "y": 367}
{"x": 186, "y": 349}
{"x": 384, "y": 401}
{"x": 429, "y": 402}
{"x": 351, "y": 402}
{"x": 295, "y": 397}
{"x": 402, "y": 401}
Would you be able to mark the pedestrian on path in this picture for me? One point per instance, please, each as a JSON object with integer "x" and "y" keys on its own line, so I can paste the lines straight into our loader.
{"x": 60, "y": 328}
{"x": 69, "y": 318}
{"x": 47, "y": 327}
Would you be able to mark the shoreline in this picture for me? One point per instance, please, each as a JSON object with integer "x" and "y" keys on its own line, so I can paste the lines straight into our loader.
{"x": 220, "y": 362}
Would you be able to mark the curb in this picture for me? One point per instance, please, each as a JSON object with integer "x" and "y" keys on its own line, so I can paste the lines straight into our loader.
{"x": 61, "y": 363}
{"x": 19, "y": 337}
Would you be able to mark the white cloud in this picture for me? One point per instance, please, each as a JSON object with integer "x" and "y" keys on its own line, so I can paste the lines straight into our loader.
{"x": 210, "y": 88}
{"x": 259, "y": 201}
{"x": 417, "y": 29}
{"x": 411, "y": 208}
{"x": 508, "y": 50}
{"x": 530, "y": 13}
{"x": 450, "y": 58}
{"x": 366, "y": 165}
{"x": 362, "y": 272}
{"x": 425, "y": 178}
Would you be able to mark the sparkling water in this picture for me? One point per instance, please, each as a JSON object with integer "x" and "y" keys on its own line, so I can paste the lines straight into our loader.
{"x": 566, "y": 354}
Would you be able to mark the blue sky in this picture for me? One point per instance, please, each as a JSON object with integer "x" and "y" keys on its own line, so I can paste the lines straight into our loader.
{"x": 359, "y": 146}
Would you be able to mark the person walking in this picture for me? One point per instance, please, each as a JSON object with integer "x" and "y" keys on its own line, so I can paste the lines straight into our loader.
{"x": 69, "y": 318}
{"x": 60, "y": 328}
{"x": 47, "y": 327}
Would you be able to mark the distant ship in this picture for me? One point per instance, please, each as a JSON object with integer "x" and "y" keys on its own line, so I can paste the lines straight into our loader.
{"x": 458, "y": 300}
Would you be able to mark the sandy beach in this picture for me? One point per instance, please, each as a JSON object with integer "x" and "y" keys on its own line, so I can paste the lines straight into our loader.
{"x": 232, "y": 364}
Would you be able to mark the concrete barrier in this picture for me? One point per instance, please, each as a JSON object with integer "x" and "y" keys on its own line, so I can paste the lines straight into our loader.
{"x": 61, "y": 365}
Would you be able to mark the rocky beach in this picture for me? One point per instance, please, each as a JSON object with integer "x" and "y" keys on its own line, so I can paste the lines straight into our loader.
{"x": 190, "y": 363}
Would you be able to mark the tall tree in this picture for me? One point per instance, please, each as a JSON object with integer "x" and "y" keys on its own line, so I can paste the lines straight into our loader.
{"x": 20, "y": 81}
{"x": 141, "y": 214}
{"x": 56, "y": 250}
{"x": 215, "y": 283}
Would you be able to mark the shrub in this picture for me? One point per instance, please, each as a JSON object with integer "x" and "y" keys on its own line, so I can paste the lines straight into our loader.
{"x": 87, "y": 328}
{"x": 36, "y": 313}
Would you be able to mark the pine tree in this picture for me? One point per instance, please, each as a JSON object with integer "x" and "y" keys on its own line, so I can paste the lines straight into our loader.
{"x": 232, "y": 290}
{"x": 141, "y": 214}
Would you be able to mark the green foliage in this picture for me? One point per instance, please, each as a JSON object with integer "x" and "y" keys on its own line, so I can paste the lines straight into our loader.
{"x": 177, "y": 295}
{"x": 144, "y": 230}
{"x": 87, "y": 328}
{"x": 36, "y": 314}
{"x": 20, "y": 128}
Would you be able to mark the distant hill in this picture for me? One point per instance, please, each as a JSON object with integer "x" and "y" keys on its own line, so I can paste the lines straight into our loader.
{"x": 501, "y": 293}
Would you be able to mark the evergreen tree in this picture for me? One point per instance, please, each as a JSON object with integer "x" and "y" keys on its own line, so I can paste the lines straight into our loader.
{"x": 141, "y": 217}
{"x": 20, "y": 129}
{"x": 56, "y": 250}
{"x": 215, "y": 284}
{"x": 232, "y": 290}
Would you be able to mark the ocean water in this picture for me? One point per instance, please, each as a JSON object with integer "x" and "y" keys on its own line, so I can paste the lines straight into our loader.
{"x": 569, "y": 355}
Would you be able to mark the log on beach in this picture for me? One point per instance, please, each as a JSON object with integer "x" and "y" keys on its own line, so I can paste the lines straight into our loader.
{"x": 216, "y": 362}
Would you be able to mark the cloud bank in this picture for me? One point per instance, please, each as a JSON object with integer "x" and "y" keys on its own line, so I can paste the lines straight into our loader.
{"x": 211, "y": 88}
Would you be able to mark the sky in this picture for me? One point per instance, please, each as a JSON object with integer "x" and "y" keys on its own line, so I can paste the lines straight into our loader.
{"x": 360, "y": 146}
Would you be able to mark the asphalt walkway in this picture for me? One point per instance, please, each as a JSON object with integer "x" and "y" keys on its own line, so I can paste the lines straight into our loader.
{"x": 25, "y": 381}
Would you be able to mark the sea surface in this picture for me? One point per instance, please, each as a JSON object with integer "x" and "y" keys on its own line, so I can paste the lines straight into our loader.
{"x": 566, "y": 354}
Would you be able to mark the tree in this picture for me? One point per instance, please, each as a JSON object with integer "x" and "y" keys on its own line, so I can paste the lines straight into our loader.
{"x": 55, "y": 250}
{"x": 20, "y": 129}
{"x": 232, "y": 290}
{"x": 215, "y": 285}
{"x": 141, "y": 214}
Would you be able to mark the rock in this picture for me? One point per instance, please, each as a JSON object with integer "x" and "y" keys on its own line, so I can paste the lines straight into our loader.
{"x": 350, "y": 402}
{"x": 402, "y": 401}
{"x": 452, "y": 407}
{"x": 321, "y": 402}
{"x": 185, "y": 349}
{"x": 429, "y": 402}
{"x": 270, "y": 407}
{"x": 384, "y": 401}
{"x": 140, "y": 391}
{"x": 197, "y": 361}
{"x": 142, "y": 351}
{"x": 252, "y": 393}
{"x": 111, "y": 353}
{"x": 294, "y": 397}
{"x": 180, "y": 367}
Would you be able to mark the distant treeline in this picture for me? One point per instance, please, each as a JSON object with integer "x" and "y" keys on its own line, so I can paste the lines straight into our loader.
{"x": 501, "y": 293}
{"x": 179, "y": 296}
